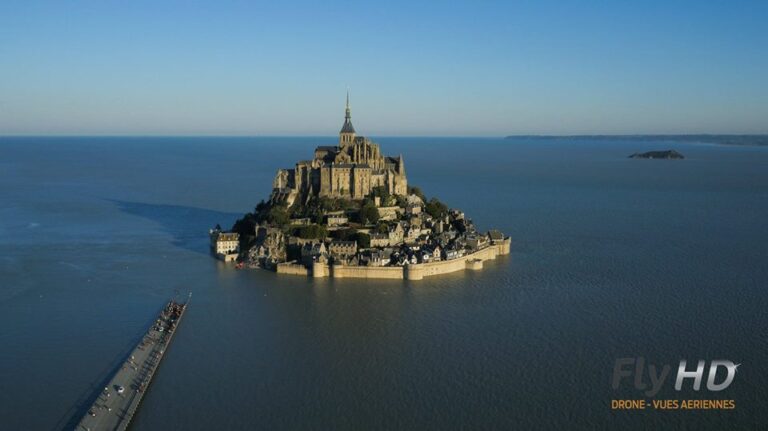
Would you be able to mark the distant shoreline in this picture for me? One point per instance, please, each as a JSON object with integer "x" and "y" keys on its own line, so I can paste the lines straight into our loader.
{"x": 738, "y": 140}
{"x": 746, "y": 140}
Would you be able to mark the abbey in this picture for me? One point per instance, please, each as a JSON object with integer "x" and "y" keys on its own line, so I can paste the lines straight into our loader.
{"x": 350, "y": 213}
{"x": 351, "y": 169}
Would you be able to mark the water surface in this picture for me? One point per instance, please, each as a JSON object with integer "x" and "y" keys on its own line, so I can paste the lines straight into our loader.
{"x": 611, "y": 257}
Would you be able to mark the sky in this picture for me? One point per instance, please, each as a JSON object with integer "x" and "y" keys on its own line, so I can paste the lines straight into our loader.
{"x": 413, "y": 68}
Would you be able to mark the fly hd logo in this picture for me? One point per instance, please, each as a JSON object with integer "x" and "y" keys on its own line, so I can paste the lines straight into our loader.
{"x": 651, "y": 378}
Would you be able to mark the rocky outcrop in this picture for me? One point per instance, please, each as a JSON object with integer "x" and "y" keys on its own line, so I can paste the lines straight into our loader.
{"x": 270, "y": 247}
{"x": 669, "y": 154}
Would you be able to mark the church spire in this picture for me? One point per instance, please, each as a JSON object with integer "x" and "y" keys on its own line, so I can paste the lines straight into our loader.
{"x": 348, "y": 115}
{"x": 347, "y": 131}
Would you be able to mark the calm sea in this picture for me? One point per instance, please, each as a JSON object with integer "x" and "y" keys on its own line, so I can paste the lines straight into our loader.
{"x": 611, "y": 258}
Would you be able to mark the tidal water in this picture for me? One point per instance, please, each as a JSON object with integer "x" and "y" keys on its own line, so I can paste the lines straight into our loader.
{"x": 611, "y": 257}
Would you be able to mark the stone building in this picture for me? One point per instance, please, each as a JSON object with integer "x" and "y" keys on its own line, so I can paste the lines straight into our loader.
{"x": 396, "y": 234}
{"x": 342, "y": 249}
{"x": 351, "y": 169}
{"x": 313, "y": 252}
{"x": 379, "y": 239}
{"x": 336, "y": 220}
{"x": 224, "y": 242}
{"x": 225, "y": 245}
{"x": 389, "y": 213}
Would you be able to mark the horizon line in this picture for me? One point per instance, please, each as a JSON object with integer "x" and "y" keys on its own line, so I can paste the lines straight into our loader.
{"x": 522, "y": 135}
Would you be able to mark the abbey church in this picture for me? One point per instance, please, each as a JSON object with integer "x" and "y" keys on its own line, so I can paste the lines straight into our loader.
{"x": 351, "y": 169}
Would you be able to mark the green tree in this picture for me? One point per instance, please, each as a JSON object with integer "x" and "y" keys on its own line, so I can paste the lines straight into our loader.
{"x": 261, "y": 206}
{"x": 369, "y": 214}
{"x": 345, "y": 234}
{"x": 246, "y": 227}
{"x": 382, "y": 193}
{"x": 363, "y": 240}
{"x": 312, "y": 231}
{"x": 435, "y": 208}
{"x": 278, "y": 215}
{"x": 413, "y": 190}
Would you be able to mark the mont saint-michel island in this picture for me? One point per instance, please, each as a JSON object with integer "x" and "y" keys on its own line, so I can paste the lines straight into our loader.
{"x": 349, "y": 212}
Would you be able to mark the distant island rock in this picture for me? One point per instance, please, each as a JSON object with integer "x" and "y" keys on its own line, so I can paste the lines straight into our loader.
{"x": 669, "y": 154}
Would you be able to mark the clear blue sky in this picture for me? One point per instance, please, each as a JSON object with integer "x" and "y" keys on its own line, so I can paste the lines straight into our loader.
{"x": 414, "y": 68}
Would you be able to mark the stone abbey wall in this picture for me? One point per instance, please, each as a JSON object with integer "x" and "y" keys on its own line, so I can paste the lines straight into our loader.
{"x": 293, "y": 269}
{"x": 472, "y": 261}
{"x": 343, "y": 271}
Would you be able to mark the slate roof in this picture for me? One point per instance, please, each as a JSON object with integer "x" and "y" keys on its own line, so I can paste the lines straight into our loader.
{"x": 495, "y": 234}
{"x": 347, "y": 127}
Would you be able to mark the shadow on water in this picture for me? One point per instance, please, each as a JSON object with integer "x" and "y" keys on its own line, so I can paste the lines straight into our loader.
{"x": 187, "y": 225}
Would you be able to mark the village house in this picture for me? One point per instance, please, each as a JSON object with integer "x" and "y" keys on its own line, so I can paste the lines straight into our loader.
{"x": 436, "y": 253}
{"x": 424, "y": 256}
{"x": 476, "y": 241}
{"x": 342, "y": 250}
{"x": 415, "y": 220}
{"x": 379, "y": 257}
{"x": 225, "y": 245}
{"x": 411, "y": 234}
{"x": 337, "y": 220}
{"x": 379, "y": 240}
{"x": 313, "y": 252}
{"x": 305, "y": 221}
{"x": 413, "y": 209}
{"x": 396, "y": 234}
{"x": 452, "y": 253}
{"x": 389, "y": 213}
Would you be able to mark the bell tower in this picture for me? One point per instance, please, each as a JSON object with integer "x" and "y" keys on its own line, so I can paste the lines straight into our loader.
{"x": 347, "y": 134}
